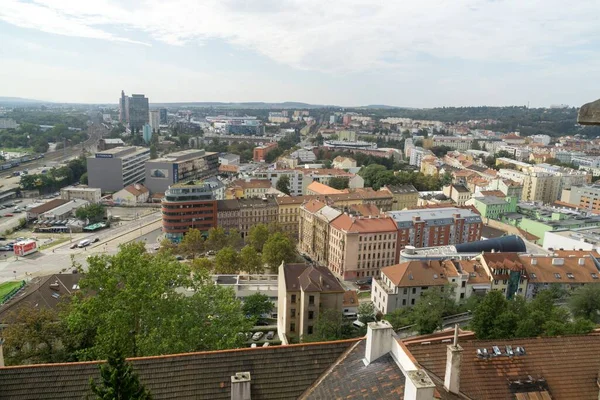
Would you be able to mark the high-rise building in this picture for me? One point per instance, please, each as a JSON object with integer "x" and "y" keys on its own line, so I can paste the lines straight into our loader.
{"x": 138, "y": 111}
{"x": 111, "y": 170}
{"x": 180, "y": 166}
{"x": 186, "y": 206}
{"x": 123, "y": 108}
{"x": 147, "y": 133}
{"x": 155, "y": 120}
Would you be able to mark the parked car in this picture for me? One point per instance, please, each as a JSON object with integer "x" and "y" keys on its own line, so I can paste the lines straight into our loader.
{"x": 270, "y": 335}
{"x": 210, "y": 253}
{"x": 257, "y": 336}
{"x": 73, "y": 246}
{"x": 266, "y": 344}
{"x": 96, "y": 240}
{"x": 253, "y": 345}
{"x": 179, "y": 258}
{"x": 2, "y": 238}
{"x": 8, "y": 215}
{"x": 6, "y": 248}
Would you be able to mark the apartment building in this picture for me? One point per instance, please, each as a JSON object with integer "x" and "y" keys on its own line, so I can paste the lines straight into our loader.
{"x": 417, "y": 154}
{"x": 509, "y": 187}
{"x": 260, "y": 152}
{"x": 454, "y": 142}
{"x": 459, "y": 194}
{"x": 315, "y": 217}
{"x": 288, "y": 214}
{"x": 493, "y": 207}
{"x": 359, "y": 246}
{"x": 181, "y": 166}
{"x": 111, "y": 170}
{"x": 186, "y": 206}
{"x": 382, "y": 199}
{"x": 402, "y": 285}
{"x": 320, "y": 189}
{"x": 403, "y": 196}
{"x": 585, "y": 196}
{"x": 89, "y": 194}
{"x": 427, "y": 227}
{"x": 324, "y": 175}
{"x": 248, "y": 189}
{"x": 506, "y": 272}
{"x": 341, "y": 162}
{"x": 304, "y": 291}
{"x": 296, "y": 177}
{"x": 228, "y": 214}
{"x": 256, "y": 211}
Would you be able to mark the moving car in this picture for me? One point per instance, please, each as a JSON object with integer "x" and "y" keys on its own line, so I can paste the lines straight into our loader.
{"x": 257, "y": 336}
{"x": 96, "y": 240}
{"x": 84, "y": 243}
{"x": 73, "y": 246}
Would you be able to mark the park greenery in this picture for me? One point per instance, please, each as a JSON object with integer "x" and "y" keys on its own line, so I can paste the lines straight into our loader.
{"x": 31, "y": 136}
{"x": 377, "y": 176}
{"x": 56, "y": 178}
{"x": 92, "y": 213}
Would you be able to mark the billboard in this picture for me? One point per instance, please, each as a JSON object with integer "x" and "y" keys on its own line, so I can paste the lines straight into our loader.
{"x": 159, "y": 173}
{"x": 103, "y": 155}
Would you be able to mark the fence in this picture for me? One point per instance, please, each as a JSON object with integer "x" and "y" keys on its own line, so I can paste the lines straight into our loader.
{"x": 10, "y": 294}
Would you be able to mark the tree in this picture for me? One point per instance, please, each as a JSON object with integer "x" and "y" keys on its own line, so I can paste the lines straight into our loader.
{"x": 283, "y": 184}
{"x": 119, "y": 381}
{"x": 258, "y": 236}
{"x": 153, "y": 152}
{"x": 234, "y": 239}
{"x": 257, "y": 304}
{"x": 504, "y": 154}
{"x": 440, "y": 151}
{"x": 84, "y": 179}
{"x": 400, "y": 317}
{"x": 431, "y": 307}
{"x": 329, "y": 326}
{"x": 366, "y": 312}
{"x": 339, "y": 182}
{"x": 278, "y": 248}
{"x": 192, "y": 243}
{"x": 227, "y": 261}
{"x": 217, "y": 239}
{"x": 202, "y": 265}
{"x": 250, "y": 261}
{"x": 91, "y": 212}
{"x": 475, "y": 145}
{"x": 33, "y": 336}
{"x": 130, "y": 302}
{"x": 484, "y": 317}
{"x": 585, "y": 302}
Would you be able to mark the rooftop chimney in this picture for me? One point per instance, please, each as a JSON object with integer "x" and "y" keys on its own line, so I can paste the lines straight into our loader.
{"x": 453, "y": 360}
{"x": 379, "y": 340}
{"x": 240, "y": 386}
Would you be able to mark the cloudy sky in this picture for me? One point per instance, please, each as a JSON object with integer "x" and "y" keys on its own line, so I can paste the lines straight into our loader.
{"x": 416, "y": 53}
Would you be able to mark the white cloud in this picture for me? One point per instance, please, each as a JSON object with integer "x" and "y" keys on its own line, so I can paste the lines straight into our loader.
{"x": 334, "y": 35}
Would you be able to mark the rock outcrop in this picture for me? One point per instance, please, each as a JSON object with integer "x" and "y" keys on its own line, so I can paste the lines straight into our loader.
{"x": 589, "y": 114}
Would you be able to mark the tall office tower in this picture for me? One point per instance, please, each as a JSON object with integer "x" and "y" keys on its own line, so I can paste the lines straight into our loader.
{"x": 123, "y": 108}
{"x": 138, "y": 112}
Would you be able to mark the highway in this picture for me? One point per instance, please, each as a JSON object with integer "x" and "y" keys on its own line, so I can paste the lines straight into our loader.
{"x": 95, "y": 132}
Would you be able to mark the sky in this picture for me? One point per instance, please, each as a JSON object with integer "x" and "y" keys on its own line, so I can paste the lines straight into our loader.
{"x": 409, "y": 53}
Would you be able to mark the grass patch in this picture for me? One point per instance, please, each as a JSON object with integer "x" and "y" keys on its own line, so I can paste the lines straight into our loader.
{"x": 54, "y": 243}
{"x": 364, "y": 295}
{"x": 17, "y": 149}
{"x": 7, "y": 287}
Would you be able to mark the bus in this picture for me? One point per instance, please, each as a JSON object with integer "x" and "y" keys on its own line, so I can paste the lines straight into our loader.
{"x": 25, "y": 247}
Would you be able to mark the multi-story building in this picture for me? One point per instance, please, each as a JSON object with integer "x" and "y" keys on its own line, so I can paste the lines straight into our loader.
{"x": 155, "y": 120}
{"x": 260, "y": 152}
{"x": 304, "y": 291}
{"x": 586, "y": 196}
{"x": 459, "y": 194}
{"x": 427, "y": 227}
{"x": 278, "y": 118}
{"x": 506, "y": 272}
{"x": 402, "y": 285}
{"x": 248, "y": 189}
{"x": 186, "y": 206}
{"x": 342, "y": 162}
{"x": 315, "y": 217}
{"x": 163, "y": 115}
{"x": 359, "y": 246}
{"x": 229, "y": 159}
{"x": 403, "y": 196}
{"x": 295, "y": 176}
{"x": 316, "y": 188}
{"x": 138, "y": 112}
{"x": 228, "y": 214}
{"x": 454, "y": 142}
{"x": 288, "y": 214}
{"x": 417, "y": 154}
{"x": 111, "y": 170}
{"x": 89, "y": 194}
{"x": 256, "y": 211}
{"x": 380, "y": 198}
{"x": 147, "y": 133}
{"x": 493, "y": 207}
{"x": 509, "y": 187}
{"x": 543, "y": 139}
{"x": 324, "y": 175}
{"x": 244, "y": 127}
{"x": 181, "y": 166}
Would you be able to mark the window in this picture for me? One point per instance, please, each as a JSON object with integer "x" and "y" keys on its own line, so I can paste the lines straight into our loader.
{"x": 293, "y": 313}
{"x": 310, "y": 329}
{"x": 412, "y": 302}
{"x": 403, "y": 302}
{"x": 557, "y": 275}
{"x": 414, "y": 290}
{"x": 311, "y": 300}
{"x": 462, "y": 295}
{"x": 495, "y": 281}
{"x": 570, "y": 275}
{"x": 533, "y": 276}
{"x": 463, "y": 284}
{"x": 311, "y": 314}
{"x": 293, "y": 299}
{"x": 292, "y": 327}
{"x": 405, "y": 291}
{"x": 594, "y": 276}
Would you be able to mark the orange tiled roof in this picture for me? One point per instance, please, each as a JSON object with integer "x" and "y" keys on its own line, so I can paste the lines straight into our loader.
{"x": 419, "y": 273}
{"x": 320, "y": 188}
{"x": 364, "y": 225}
{"x": 314, "y": 205}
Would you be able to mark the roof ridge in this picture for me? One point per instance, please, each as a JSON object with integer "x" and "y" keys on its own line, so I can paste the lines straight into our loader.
{"x": 184, "y": 354}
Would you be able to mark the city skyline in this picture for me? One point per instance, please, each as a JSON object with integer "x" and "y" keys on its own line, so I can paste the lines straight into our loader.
{"x": 409, "y": 54}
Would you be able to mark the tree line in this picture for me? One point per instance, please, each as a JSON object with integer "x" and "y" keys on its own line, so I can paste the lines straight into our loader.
{"x": 55, "y": 178}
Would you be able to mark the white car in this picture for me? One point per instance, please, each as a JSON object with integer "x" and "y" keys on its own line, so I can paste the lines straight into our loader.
{"x": 257, "y": 336}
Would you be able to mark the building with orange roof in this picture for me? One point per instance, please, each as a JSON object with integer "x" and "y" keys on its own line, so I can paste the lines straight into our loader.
{"x": 247, "y": 189}
{"x": 364, "y": 210}
{"x": 383, "y": 199}
{"x": 315, "y": 217}
{"x": 360, "y": 246}
{"x": 260, "y": 152}
{"x": 402, "y": 285}
{"x": 506, "y": 271}
{"x": 317, "y": 188}
{"x": 342, "y": 162}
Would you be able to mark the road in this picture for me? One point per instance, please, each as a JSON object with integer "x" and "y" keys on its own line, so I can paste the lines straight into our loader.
{"x": 59, "y": 258}
{"x": 95, "y": 132}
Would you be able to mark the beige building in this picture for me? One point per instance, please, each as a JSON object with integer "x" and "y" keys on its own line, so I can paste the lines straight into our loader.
{"x": 303, "y": 292}
{"x": 359, "y": 247}
{"x": 402, "y": 285}
{"x": 132, "y": 195}
{"x": 247, "y": 189}
{"x": 288, "y": 214}
{"x": 91, "y": 195}
{"x": 313, "y": 240}
{"x": 403, "y": 196}
{"x": 342, "y": 162}
{"x": 459, "y": 194}
{"x": 256, "y": 211}
{"x": 317, "y": 188}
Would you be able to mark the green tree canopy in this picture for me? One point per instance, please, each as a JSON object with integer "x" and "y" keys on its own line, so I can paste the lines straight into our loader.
{"x": 283, "y": 184}
{"x": 93, "y": 212}
{"x": 339, "y": 182}
{"x": 278, "y": 248}
{"x": 118, "y": 381}
{"x": 192, "y": 243}
{"x": 258, "y": 236}
{"x": 366, "y": 312}
{"x": 217, "y": 239}
{"x": 585, "y": 302}
{"x": 257, "y": 304}
{"x": 227, "y": 261}
{"x": 250, "y": 261}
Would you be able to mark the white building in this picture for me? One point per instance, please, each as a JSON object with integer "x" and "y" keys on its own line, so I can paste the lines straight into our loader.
{"x": 89, "y": 194}
{"x": 417, "y": 154}
{"x": 154, "y": 120}
{"x": 543, "y": 139}
{"x": 132, "y": 195}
